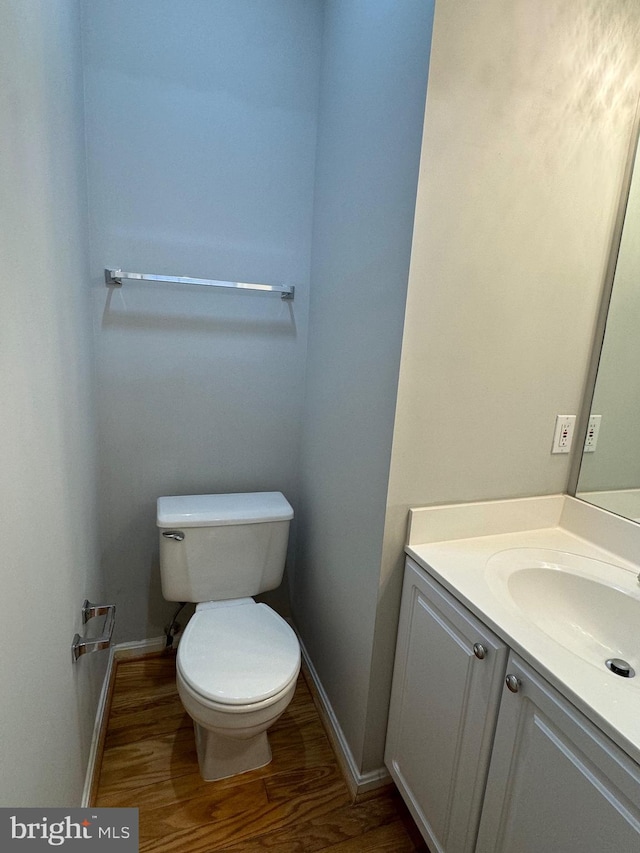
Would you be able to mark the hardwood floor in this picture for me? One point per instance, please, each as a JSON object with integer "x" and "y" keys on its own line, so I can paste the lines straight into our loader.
{"x": 299, "y": 802}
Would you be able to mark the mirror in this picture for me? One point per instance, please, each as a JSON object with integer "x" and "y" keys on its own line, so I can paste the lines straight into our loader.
{"x": 609, "y": 474}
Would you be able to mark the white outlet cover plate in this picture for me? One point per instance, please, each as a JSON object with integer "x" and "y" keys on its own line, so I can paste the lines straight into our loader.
{"x": 563, "y": 434}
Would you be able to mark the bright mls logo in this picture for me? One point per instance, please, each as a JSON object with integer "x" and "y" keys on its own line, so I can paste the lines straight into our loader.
{"x": 71, "y": 829}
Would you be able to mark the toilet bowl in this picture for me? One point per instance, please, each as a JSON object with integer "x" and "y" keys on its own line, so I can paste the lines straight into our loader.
{"x": 238, "y": 661}
{"x": 236, "y": 673}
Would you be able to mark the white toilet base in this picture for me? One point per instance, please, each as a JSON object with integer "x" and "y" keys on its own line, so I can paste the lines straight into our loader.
{"x": 232, "y": 739}
{"x": 220, "y": 757}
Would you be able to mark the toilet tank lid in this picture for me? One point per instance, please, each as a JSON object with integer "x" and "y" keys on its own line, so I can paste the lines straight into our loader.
{"x": 218, "y": 510}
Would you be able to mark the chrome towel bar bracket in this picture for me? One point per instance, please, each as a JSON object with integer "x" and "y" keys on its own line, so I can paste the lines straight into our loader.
{"x": 82, "y": 645}
{"x": 114, "y": 278}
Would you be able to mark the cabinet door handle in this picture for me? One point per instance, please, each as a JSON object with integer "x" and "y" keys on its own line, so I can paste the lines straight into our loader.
{"x": 479, "y": 651}
{"x": 513, "y": 683}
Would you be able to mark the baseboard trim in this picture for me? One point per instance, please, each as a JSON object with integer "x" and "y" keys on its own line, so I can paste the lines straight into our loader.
{"x": 122, "y": 651}
{"x": 140, "y": 648}
{"x": 360, "y": 784}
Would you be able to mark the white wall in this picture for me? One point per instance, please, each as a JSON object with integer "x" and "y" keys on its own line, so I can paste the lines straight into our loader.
{"x": 527, "y": 125}
{"x": 615, "y": 464}
{"x": 201, "y": 128}
{"x": 375, "y": 60}
{"x": 47, "y": 454}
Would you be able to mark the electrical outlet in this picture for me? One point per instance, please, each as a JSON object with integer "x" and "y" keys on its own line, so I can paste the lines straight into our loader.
{"x": 563, "y": 435}
{"x": 593, "y": 430}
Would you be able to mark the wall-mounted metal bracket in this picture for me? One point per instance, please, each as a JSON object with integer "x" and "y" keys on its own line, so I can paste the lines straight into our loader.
{"x": 82, "y": 645}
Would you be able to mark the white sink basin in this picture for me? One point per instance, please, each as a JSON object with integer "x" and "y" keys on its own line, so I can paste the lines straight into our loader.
{"x": 588, "y": 606}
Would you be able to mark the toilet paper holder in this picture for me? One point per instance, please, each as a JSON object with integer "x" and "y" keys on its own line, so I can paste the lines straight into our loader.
{"x": 82, "y": 645}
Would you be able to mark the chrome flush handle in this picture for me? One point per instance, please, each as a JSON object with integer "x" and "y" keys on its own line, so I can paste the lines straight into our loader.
{"x": 177, "y": 535}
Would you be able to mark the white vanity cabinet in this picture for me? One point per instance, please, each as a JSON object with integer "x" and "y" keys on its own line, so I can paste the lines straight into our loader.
{"x": 489, "y": 757}
{"x": 448, "y": 678}
{"x": 556, "y": 783}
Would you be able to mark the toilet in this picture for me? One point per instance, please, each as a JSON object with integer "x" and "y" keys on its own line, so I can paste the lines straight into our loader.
{"x": 238, "y": 660}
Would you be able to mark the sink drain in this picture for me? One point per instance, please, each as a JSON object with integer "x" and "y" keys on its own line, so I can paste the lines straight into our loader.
{"x": 620, "y": 667}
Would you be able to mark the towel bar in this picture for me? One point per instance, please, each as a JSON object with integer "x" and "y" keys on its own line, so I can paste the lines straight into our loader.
{"x": 114, "y": 278}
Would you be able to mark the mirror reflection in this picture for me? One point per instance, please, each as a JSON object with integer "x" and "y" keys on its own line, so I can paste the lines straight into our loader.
{"x": 610, "y": 468}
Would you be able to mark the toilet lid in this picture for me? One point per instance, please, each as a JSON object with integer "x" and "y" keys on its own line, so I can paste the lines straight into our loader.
{"x": 238, "y": 654}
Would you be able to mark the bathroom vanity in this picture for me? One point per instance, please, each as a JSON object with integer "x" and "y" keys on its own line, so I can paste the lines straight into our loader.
{"x": 507, "y": 730}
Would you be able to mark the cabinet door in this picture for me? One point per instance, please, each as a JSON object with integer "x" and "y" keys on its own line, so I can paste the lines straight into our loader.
{"x": 556, "y": 783}
{"x": 443, "y": 711}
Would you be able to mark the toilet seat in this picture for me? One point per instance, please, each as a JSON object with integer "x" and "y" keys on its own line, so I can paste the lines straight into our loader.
{"x": 238, "y": 653}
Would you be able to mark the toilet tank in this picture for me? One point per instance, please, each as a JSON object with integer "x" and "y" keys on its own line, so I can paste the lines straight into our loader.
{"x": 215, "y": 547}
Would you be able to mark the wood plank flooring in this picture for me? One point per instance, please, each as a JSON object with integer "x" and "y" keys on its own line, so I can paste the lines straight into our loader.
{"x": 299, "y": 802}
